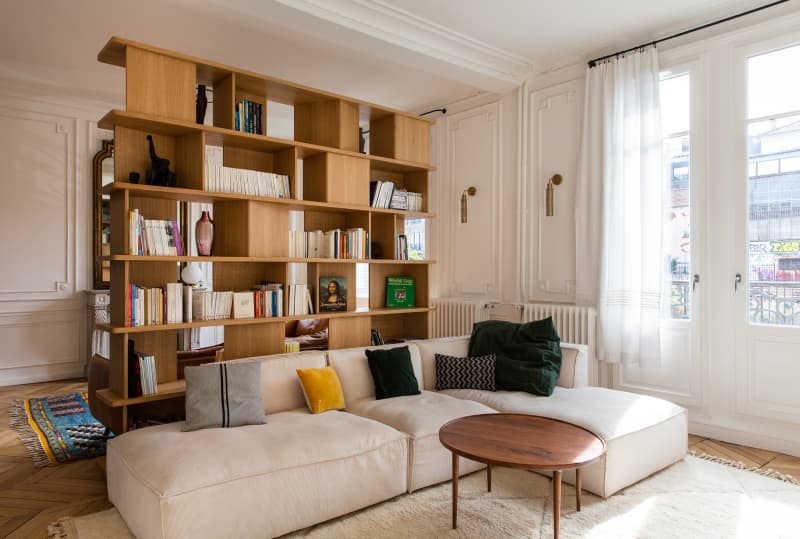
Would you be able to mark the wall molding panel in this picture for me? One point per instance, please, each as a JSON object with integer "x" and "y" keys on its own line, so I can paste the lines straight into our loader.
{"x": 473, "y": 158}
{"x": 553, "y": 123}
{"x": 47, "y": 222}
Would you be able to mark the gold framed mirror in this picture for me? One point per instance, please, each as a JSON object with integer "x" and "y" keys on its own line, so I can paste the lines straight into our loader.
{"x": 102, "y": 174}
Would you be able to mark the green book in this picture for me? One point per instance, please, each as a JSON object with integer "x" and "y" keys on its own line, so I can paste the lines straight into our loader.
{"x": 400, "y": 291}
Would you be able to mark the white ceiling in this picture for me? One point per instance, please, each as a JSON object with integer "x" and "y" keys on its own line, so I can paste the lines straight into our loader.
{"x": 409, "y": 54}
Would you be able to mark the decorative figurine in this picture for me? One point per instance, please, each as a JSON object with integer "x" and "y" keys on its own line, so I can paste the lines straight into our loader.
{"x": 201, "y": 104}
{"x": 159, "y": 173}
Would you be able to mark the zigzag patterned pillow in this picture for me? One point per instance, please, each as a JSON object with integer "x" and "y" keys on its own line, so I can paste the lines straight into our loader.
{"x": 465, "y": 372}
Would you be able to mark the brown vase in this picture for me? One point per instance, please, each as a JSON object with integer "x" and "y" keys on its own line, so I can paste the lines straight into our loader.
{"x": 204, "y": 234}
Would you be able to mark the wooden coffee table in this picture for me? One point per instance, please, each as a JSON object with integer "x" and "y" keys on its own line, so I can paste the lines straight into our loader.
{"x": 522, "y": 441}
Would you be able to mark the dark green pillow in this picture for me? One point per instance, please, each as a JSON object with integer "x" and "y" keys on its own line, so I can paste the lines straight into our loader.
{"x": 392, "y": 372}
{"x": 528, "y": 355}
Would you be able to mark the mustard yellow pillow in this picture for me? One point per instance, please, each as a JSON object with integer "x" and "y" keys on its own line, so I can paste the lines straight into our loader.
{"x": 322, "y": 389}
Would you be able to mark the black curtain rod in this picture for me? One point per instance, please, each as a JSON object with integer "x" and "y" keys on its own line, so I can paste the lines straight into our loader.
{"x": 594, "y": 62}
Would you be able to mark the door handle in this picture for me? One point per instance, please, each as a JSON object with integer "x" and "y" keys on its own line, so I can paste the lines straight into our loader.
{"x": 695, "y": 281}
{"x": 736, "y": 282}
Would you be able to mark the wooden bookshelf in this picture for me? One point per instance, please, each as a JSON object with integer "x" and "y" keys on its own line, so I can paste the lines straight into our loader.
{"x": 251, "y": 233}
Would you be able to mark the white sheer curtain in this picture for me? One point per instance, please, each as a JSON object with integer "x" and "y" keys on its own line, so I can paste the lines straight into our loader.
{"x": 618, "y": 210}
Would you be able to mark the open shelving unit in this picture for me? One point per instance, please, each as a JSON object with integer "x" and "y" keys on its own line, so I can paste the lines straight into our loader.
{"x": 251, "y": 236}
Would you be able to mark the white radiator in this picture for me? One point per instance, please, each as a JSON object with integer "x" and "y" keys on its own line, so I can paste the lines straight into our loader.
{"x": 574, "y": 324}
{"x": 454, "y": 317}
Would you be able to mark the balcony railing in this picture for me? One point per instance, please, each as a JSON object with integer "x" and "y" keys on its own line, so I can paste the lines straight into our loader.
{"x": 775, "y": 303}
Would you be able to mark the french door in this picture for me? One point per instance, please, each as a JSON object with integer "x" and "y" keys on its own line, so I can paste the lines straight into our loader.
{"x": 677, "y": 377}
{"x": 767, "y": 280}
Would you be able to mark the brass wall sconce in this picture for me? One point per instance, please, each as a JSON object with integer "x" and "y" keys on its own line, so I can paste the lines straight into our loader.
{"x": 555, "y": 180}
{"x": 468, "y": 191}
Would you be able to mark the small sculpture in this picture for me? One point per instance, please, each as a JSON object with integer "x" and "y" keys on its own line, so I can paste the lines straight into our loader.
{"x": 200, "y": 104}
{"x": 159, "y": 173}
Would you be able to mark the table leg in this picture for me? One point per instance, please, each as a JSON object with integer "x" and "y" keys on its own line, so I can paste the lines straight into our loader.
{"x": 489, "y": 477}
{"x": 556, "y": 501}
{"x": 455, "y": 490}
{"x": 578, "y": 487}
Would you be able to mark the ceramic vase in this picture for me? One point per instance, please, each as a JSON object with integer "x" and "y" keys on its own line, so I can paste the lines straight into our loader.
{"x": 204, "y": 234}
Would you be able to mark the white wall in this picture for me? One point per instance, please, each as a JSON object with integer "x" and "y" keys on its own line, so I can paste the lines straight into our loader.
{"x": 46, "y": 146}
{"x": 724, "y": 388}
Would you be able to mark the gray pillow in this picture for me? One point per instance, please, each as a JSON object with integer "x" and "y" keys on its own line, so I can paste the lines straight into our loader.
{"x": 465, "y": 372}
{"x": 224, "y": 395}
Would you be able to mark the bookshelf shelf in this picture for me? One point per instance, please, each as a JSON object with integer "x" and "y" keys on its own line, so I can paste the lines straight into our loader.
{"x": 219, "y": 136}
{"x": 258, "y": 259}
{"x": 206, "y": 197}
{"x": 252, "y": 233}
{"x": 168, "y": 390}
{"x": 114, "y": 329}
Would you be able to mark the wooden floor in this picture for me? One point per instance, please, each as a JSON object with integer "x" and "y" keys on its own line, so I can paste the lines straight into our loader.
{"x": 31, "y": 498}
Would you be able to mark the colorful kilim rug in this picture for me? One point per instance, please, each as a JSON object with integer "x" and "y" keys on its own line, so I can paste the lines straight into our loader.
{"x": 57, "y": 429}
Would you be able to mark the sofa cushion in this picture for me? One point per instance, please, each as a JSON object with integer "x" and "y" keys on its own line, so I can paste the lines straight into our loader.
{"x": 322, "y": 389}
{"x": 528, "y": 355}
{"x": 465, "y": 372}
{"x": 253, "y": 481}
{"x": 421, "y": 416}
{"x": 222, "y": 395}
{"x": 392, "y": 372}
{"x": 353, "y": 370}
{"x": 643, "y": 434}
{"x": 280, "y": 387}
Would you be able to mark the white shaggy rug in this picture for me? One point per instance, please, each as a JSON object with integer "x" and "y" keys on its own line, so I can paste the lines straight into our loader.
{"x": 693, "y": 498}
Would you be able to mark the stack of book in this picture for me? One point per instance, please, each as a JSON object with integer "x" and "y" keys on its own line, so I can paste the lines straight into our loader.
{"x": 142, "y": 379}
{"x": 248, "y": 117}
{"x": 413, "y": 201}
{"x": 207, "y": 305}
{"x": 384, "y": 194}
{"x": 380, "y": 193}
{"x": 222, "y": 179}
{"x": 401, "y": 247}
{"x": 350, "y": 244}
{"x": 263, "y": 301}
{"x": 155, "y": 306}
{"x": 153, "y": 237}
{"x": 300, "y": 300}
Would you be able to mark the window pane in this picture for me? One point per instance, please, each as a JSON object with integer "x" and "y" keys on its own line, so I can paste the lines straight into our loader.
{"x": 773, "y": 83}
{"x": 675, "y": 109}
{"x": 774, "y": 188}
{"x": 675, "y": 121}
{"x": 415, "y": 235}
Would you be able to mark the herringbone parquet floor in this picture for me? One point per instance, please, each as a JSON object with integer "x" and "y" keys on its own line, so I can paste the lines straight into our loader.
{"x": 31, "y": 498}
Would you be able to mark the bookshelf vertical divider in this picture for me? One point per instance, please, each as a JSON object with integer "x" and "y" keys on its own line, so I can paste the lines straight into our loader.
{"x": 251, "y": 233}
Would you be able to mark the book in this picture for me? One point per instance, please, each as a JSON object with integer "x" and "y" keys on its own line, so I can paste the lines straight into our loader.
{"x": 375, "y": 337}
{"x": 243, "y": 305}
{"x": 332, "y": 294}
{"x": 400, "y": 291}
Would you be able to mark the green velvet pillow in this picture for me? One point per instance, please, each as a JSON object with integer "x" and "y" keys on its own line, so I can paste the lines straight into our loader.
{"x": 528, "y": 355}
{"x": 392, "y": 372}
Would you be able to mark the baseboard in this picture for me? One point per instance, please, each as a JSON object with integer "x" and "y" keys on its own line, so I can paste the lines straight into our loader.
{"x": 41, "y": 373}
{"x": 751, "y": 439}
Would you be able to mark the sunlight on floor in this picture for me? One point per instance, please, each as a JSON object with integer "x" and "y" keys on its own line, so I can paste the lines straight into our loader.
{"x": 629, "y": 524}
{"x": 761, "y": 517}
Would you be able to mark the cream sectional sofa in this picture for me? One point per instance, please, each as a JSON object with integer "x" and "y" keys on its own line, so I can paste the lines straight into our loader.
{"x": 300, "y": 469}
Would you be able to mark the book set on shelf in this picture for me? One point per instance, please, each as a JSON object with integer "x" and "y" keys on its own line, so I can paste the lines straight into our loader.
{"x": 154, "y": 237}
{"x": 350, "y": 244}
{"x": 253, "y": 182}
{"x": 385, "y": 194}
{"x": 249, "y": 115}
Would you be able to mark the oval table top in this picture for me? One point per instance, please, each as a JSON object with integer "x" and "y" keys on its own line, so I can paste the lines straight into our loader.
{"x": 522, "y": 441}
